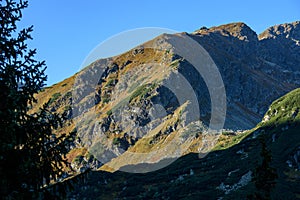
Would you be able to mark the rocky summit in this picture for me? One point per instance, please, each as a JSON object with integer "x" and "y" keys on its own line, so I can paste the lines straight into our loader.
{"x": 167, "y": 98}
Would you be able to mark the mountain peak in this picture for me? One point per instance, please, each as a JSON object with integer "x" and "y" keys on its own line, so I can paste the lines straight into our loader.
{"x": 239, "y": 30}
{"x": 286, "y": 30}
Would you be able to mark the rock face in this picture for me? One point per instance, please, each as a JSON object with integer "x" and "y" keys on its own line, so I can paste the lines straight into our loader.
{"x": 288, "y": 31}
{"x": 282, "y": 42}
{"x": 255, "y": 69}
{"x": 237, "y": 30}
{"x": 121, "y": 105}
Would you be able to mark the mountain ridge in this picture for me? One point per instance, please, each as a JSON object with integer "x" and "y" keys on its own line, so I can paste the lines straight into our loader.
{"x": 242, "y": 31}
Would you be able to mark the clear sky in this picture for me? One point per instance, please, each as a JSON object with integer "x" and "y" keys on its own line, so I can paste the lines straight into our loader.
{"x": 66, "y": 31}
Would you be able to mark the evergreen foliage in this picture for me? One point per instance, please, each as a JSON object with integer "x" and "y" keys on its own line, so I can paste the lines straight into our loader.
{"x": 31, "y": 155}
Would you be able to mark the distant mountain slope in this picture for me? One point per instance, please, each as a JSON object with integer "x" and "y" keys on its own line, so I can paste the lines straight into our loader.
{"x": 120, "y": 105}
{"x": 226, "y": 173}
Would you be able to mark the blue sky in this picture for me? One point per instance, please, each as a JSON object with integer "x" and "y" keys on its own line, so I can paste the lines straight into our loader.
{"x": 66, "y": 31}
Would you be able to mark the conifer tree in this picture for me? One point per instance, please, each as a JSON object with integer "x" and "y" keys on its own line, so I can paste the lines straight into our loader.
{"x": 264, "y": 175}
{"x": 31, "y": 155}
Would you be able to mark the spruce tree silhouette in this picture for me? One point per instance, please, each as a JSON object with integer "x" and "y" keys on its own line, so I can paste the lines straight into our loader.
{"x": 264, "y": 175}
{"x": 31, "y": 156}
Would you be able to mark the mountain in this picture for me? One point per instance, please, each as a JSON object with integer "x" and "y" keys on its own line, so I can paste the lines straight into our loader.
{"x": 167, "y": 98}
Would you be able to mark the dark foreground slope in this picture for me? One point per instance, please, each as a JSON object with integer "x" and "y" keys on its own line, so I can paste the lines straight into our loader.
{"x": 226, "y": 173}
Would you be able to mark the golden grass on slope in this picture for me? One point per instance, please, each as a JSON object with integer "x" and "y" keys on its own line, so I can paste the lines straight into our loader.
{"x": 47, "y": 93}
{"x": 76, "y": 152}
